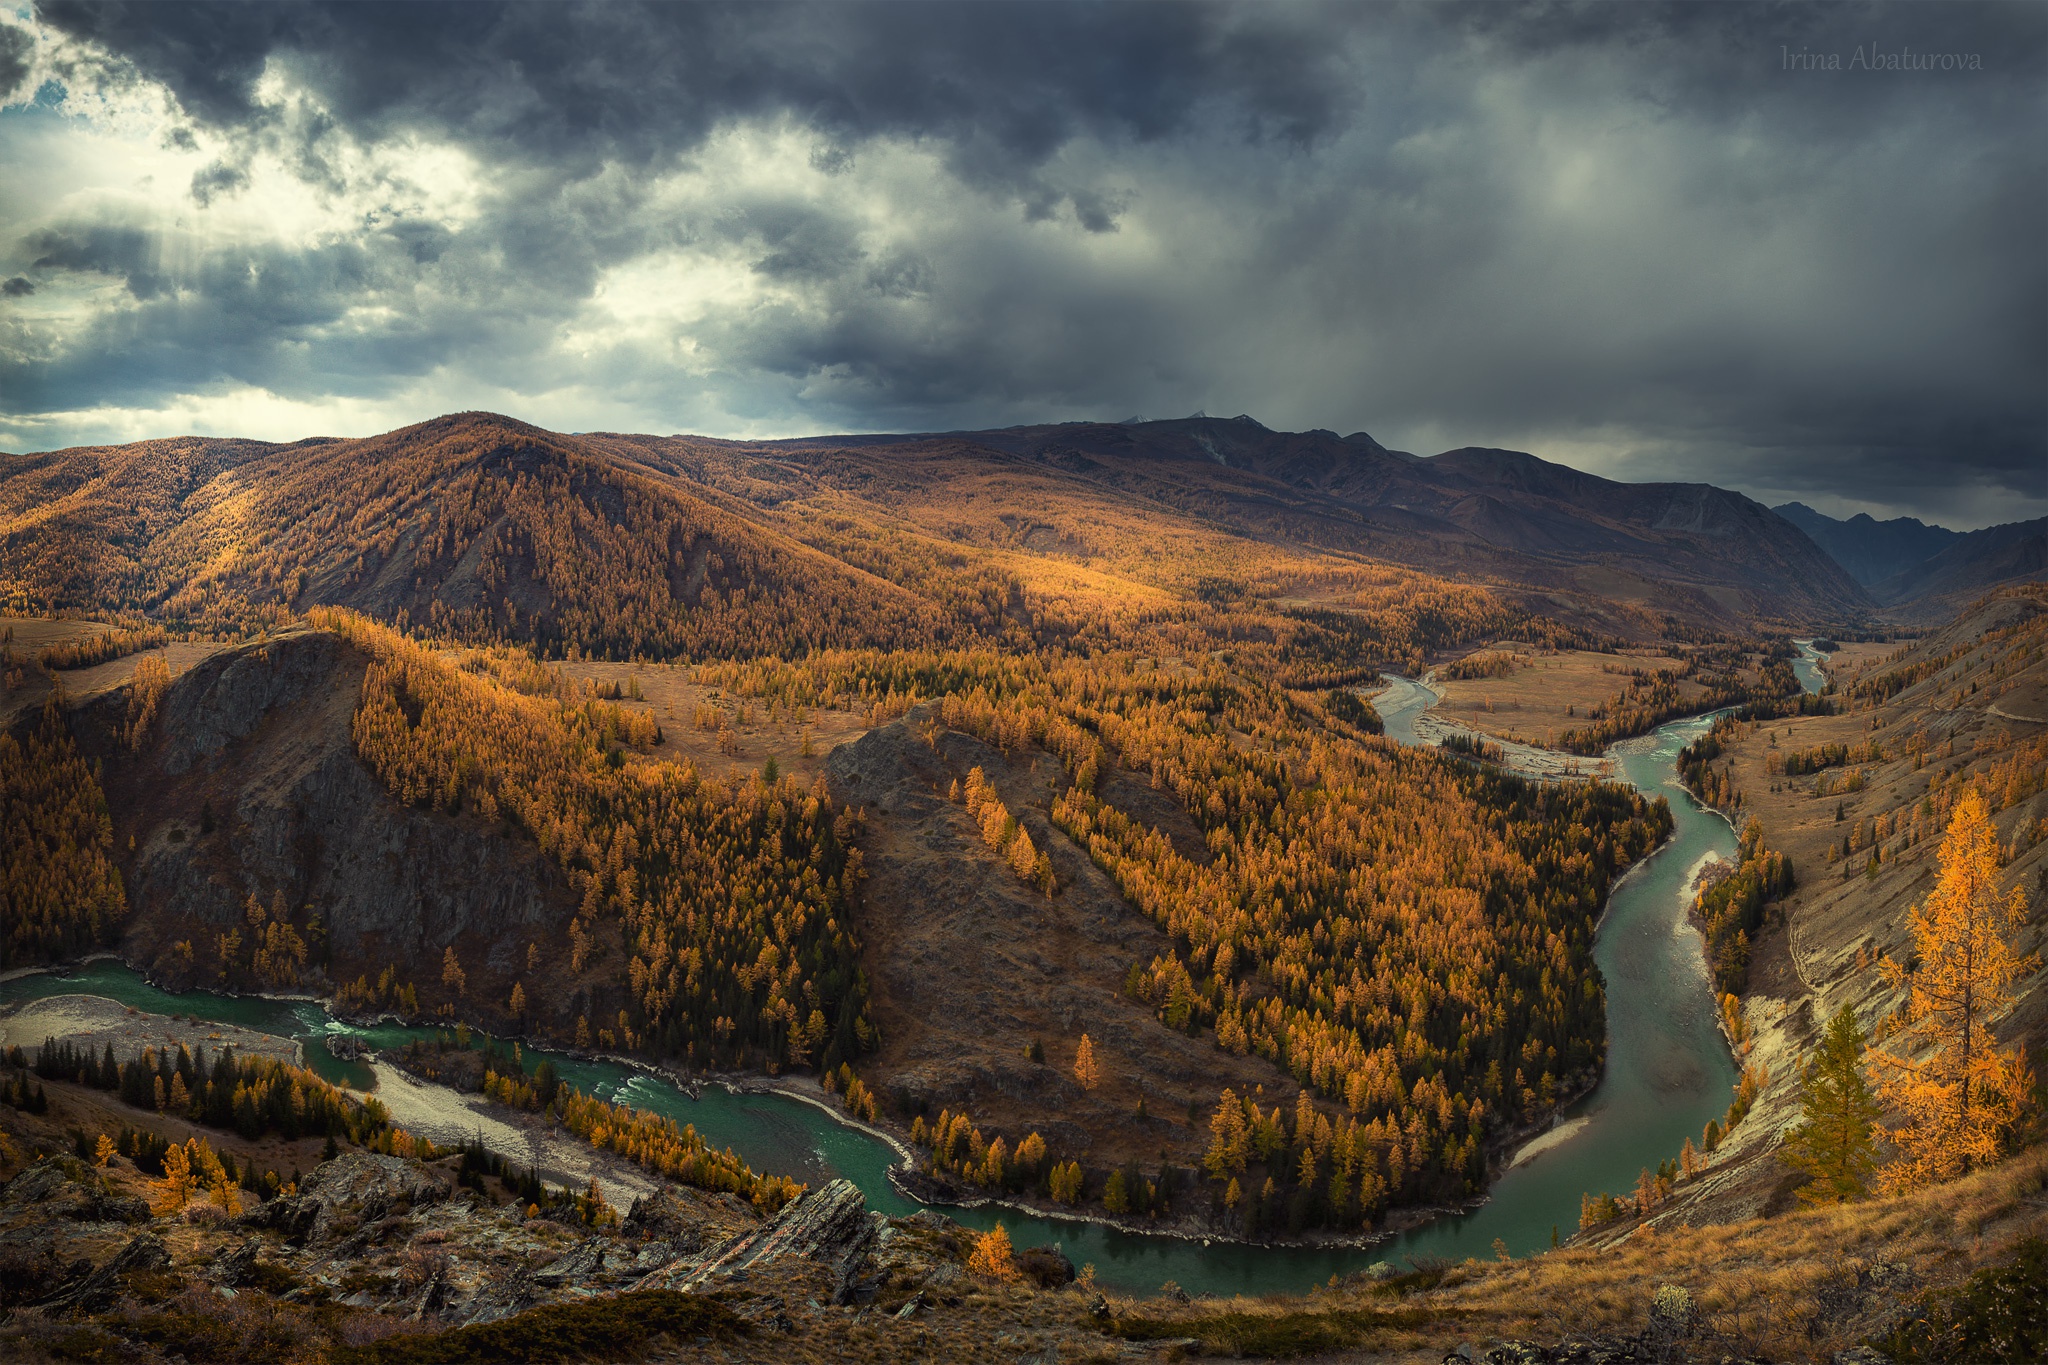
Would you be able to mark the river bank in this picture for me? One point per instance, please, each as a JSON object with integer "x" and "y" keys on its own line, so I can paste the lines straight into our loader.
{"x": 449, "y": 1118}
{"x": 93, "y": 1023}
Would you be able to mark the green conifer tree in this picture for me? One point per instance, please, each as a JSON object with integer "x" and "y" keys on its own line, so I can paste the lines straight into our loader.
{"x": 1833, "y": 1143}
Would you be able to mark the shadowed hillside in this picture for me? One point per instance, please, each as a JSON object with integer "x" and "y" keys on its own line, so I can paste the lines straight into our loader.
{"x": 1926, "y": 574}
{"x": 1497, "y": 516}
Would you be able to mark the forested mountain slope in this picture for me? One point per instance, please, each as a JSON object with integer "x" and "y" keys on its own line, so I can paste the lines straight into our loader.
{"x": 473, "y": 525}
{"x": 465, "y": 745}
{"x": 470, "y": 834}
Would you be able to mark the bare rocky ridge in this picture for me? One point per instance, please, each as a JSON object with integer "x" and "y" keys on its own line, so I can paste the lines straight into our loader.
{"x": 969, "y": 964}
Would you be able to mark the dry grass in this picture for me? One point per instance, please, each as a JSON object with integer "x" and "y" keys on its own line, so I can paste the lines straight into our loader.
{"x": 1548, "y": 693}
{"x": 29, "y": 633}
{"x": 719, "y": 731}
{"x": 23, "y": 688}
{"x": 1783, "y": 1288}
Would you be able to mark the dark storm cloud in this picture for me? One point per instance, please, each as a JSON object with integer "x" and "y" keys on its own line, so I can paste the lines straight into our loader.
{"x": 14, "y": 60}
{"x": 1665, "y": 238}
{"x": 1005, "y": 85}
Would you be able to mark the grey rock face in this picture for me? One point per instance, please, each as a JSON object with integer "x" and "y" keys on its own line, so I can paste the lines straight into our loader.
{"x": 237, "y": 1267}
{"x": 585, "y": 1266}
{"x": 96, "y": 1288}
{"x": 257, "y": 742}
{"x": 363, "y": 1186}
{"x": 664, "y": 1217}
{"x": 831, "y": 1226}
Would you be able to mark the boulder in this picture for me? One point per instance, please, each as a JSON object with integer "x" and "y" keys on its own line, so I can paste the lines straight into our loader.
{"x": 1045, "y": 1266}
{"x": 1671, "y": 1311}
{"x": 234, "y": 1267}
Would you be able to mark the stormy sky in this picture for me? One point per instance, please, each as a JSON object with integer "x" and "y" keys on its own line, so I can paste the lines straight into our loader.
{"x": 1652, "y": 242}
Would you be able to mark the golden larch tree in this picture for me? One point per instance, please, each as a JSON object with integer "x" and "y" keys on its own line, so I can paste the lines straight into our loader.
{"x": 992, "y": 1256}
{"x": 1958, "y": 1101}
{"x": 1085, "y": 1069}
{"x": 176, "y": 1190}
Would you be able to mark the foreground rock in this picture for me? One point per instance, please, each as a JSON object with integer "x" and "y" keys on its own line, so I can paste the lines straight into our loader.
{"x": 830, "y": 1227}
{"x": 349, "y": 1191}
{"x": 60, "y": 1187}
{"x": 97, "y": 1287}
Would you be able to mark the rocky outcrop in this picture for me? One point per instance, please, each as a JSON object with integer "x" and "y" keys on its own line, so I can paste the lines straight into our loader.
{"x": 146, "y": 1251}
{"x": 670, "y": 1224}
{"x": 234, "y": 1267}
{"x": 353, "y": 1189}
{"x": 1045, "y": 1266}
{"x": 248, "y": 785}
{"x": 830, "y": 1226}
{"x": 62, "y": 1187}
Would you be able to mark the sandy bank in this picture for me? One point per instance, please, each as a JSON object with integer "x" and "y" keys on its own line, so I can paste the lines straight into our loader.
{"x": 1521, "y": 759}
{"x": 449, "y": 1118}
{"x": 93, "y": 1021}
{"x": 1556, "y": 1137}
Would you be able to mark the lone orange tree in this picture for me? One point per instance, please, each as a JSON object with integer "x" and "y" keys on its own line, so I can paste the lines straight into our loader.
{"x": 1960, "y": 1099}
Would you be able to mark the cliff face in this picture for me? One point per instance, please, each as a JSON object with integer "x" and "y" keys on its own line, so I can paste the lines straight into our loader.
{"x": 247, "y": 786}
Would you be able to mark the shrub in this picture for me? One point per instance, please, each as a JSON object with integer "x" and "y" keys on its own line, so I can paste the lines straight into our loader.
{"x": 623, "y": 1327}
{"x": 1993, "y": 1317}
{"x": 1277, "y": 1334}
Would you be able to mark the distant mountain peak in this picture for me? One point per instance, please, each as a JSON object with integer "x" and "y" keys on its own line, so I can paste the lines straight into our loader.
{"x": 1872, "y": 551}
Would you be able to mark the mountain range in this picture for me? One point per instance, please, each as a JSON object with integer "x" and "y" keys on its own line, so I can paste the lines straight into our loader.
{"x": 1903, "y": 560}
{"x": 665, "y": 545}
